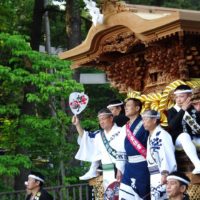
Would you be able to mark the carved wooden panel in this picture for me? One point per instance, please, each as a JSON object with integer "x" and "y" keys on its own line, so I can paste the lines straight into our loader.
{"x": 159, "y": 64}
{"x": 121, "y": 42}
{"x": 151, "y": 68}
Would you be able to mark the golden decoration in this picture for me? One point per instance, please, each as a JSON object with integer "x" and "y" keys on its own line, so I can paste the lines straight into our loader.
{"x": 161, "y": 101}
{"x": 97, "y": 184}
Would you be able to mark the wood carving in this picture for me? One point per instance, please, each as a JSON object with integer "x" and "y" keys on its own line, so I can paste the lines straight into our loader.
{"x": 153, "y": 67}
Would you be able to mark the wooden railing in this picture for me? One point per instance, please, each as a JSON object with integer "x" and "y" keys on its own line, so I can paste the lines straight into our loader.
{"x": 70, "y": 192}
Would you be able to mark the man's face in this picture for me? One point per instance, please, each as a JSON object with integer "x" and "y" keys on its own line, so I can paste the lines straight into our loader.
{"x": 105, "y": 121}
{"x": 115, "y": 110}
{"x": 131, "y": 109}
{"x": 181, "y": 98}
{"x": 197, "y": 106}
{"x": 32, "y": 183}
{"x": 149, "y": 123}
{"x": 174, "y": 188}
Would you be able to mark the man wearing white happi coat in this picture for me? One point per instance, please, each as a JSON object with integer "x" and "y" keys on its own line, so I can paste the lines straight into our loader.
{"x": 100, "y": 145}
{"x": 160, "y": 154}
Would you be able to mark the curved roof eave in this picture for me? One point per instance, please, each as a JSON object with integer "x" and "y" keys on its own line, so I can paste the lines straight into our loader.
{"x": 144, "y": 29}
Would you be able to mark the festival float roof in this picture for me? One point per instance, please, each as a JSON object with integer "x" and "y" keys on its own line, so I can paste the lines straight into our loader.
{"x": 141, "y": 48}
{"x": 146, "y": 49}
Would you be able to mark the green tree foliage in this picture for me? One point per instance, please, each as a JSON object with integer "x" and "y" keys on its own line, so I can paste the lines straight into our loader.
{"x": 16, "y": 16}
{"x": 42, "y": 135}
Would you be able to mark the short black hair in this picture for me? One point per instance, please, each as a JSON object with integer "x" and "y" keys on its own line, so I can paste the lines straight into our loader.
{"x": 137, "y": 102}
{"x": 183, "y": 87}
{"x": 115, "y": 101}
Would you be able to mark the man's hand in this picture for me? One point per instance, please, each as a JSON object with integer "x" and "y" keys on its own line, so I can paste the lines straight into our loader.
{"x": 163, "y": 179}
{"x": 186, "y": 104}
{"x": 75, "y": 120}
{"x": 119, "y": 176}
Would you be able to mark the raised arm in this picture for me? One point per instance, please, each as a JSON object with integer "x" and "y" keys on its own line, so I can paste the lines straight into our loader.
{"x": 76, "y": 122}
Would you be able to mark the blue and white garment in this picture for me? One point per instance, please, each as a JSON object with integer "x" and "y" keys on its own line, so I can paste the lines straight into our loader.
{"x": 135, "y": 183}
{"x": 160, "y": 157}
{"x": 178, "y": 124}
{"x": 93, "y": 149}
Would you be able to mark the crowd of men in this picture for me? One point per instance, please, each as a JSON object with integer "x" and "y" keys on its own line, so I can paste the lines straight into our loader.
{"x": 136, "y": 152}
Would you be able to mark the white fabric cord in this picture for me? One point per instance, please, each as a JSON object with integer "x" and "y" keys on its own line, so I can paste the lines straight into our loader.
{"x": 36, "y": 177}
{"x": 151, "y": 116}
{"x": 136, "y": 159}
{"x": 106, "y": 114}
{"x": 182, "y": 91}
{"x": 116, "y": 104}
{"x": 178, "y": 178}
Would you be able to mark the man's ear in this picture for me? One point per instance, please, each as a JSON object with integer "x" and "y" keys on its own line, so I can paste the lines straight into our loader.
{"x": 155, "y": 120}
{"x": 183, "y": 188}
{"x": 137, "y": 108}
{"x": 38, "y": 182}
{"x": 119, "y": 108}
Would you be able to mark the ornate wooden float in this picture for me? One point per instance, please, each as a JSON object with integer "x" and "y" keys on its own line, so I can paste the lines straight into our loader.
{"x": 145, "y": 52}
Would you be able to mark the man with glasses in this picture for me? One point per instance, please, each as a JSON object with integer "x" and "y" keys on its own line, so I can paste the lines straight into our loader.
{"x": 160, "y": 154}
{"x": 100, "y": 145}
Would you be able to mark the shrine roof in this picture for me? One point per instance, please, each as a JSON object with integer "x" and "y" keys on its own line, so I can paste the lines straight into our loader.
{"x": 147, "y": 23}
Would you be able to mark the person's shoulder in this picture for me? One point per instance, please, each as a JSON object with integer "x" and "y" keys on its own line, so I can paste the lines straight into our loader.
{"x": 123, "y": 130}
{"x": 165, "y": 135}
{"x": 172, "y": 109}
{"x": 162, "y": 131}
{"x": 115, "y": 126}
{"x": 45, "y": 195}
{"x": 28, "y": 197}
{"x": 95, "y": 133}
{"x": 121, "y": 119}
{"x": 186, "y": 197}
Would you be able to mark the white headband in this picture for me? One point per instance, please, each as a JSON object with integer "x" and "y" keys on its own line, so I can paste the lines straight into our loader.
{"x": 116, "y": 104}
{"x": 36, "y": 177}
{"x": 182, "y": 91}
{"x": 178, "y": 178}
{"x": 151, "y": 116}
{"x": 102, "y": 114}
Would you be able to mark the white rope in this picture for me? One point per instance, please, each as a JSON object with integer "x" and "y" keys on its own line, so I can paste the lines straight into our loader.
{"x": 36, "y": 177}
{"x": 178, "y": 178}
{"x": 182, "y": 91}
{"x": 116, "y": 104}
